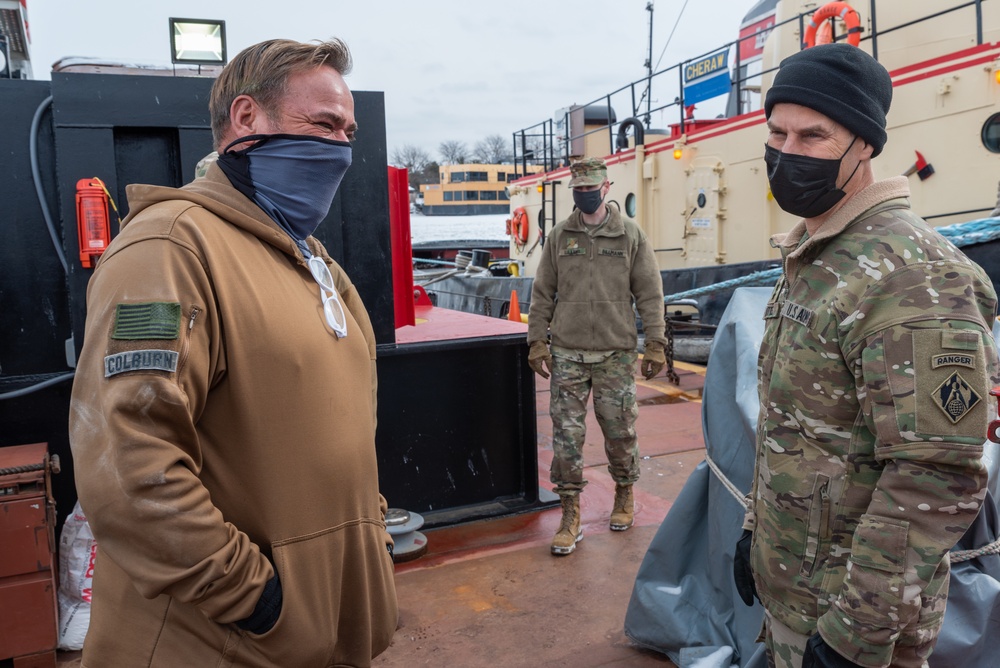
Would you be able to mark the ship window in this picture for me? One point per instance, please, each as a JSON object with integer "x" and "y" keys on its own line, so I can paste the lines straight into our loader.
{"x": 630, "y": 205}
{"x": 487, "y": 194}
{"x": 457, "y": 177}
{"x": 448, "y": 195}
{"x": 478, "y": 176}
{"x": 501, "y": 176}
{"x": 503, "y": 195}
{"x": 991, "y": 133}
{"x": 471, "y": 195}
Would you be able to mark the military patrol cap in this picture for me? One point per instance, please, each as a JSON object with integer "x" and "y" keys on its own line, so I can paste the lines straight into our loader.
{"x": 588, "y": 172}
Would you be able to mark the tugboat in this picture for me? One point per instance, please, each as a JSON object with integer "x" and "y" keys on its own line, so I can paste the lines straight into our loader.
{"x": 697, "y": 185}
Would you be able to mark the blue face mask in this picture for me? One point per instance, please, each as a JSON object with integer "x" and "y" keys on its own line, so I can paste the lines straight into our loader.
{"x": 291, "y": 177}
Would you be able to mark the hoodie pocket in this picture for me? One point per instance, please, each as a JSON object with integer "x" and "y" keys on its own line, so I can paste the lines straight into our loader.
{"x": 338, "y": 599}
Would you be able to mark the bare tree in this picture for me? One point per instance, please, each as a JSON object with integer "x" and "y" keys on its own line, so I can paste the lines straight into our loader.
{"x": 492, "y": 150}
{"x": 453, "y": 152}
{"x": 413, "y": 158}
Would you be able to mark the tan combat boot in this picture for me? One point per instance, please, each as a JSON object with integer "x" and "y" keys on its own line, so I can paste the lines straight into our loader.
{"x": 622, "y": 515}
{"x": 569, "y": 533}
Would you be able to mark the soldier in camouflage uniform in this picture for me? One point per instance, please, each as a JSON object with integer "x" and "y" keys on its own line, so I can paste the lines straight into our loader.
{"x": 594, "y": 265}
{"x": 874, "y": 375}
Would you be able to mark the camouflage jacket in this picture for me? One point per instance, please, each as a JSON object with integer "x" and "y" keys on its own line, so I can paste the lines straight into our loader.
{"x": 874, "y": 377}
{"x": 586, "y": 283}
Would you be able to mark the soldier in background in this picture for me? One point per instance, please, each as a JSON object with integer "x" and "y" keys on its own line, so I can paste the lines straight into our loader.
{"x": 594, "y": 266}
{"x": 874, "y": 374}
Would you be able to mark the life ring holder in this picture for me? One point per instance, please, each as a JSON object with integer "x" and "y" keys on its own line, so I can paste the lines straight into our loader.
{"x": 840, "y": 10}
{"x": 519, "y": 227}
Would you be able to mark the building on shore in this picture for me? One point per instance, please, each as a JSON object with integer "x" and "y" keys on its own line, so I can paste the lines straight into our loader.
{"x": 471, "y": 189}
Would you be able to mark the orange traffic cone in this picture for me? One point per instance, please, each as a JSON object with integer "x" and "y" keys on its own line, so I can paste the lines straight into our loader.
{"x": 514, "y": 313}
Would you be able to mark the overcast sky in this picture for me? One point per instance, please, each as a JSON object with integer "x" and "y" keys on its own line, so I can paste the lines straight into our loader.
{"x": 449, "y": 69}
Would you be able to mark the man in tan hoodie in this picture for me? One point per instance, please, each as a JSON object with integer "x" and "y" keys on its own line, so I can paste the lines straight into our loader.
{"x": 223, "y": 413}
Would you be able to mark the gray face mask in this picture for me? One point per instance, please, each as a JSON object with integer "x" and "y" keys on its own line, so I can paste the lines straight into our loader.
{"x": 292, "y": 177}
{"x": 587, "y": 201}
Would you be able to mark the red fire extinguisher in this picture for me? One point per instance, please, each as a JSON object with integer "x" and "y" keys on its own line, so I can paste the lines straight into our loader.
{"x": 93, "y": 219}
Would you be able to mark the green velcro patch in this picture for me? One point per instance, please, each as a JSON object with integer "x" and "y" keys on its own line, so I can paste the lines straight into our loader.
{"x": 150, "y": 320}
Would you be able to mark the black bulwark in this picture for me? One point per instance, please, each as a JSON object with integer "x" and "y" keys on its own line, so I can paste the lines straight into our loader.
{"x": 129, "y": 129}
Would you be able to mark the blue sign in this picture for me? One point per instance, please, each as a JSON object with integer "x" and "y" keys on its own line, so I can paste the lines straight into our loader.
{"x": 706, "y": 89}
{"x": 707, "y": 66}
{"x": 706, "y": 78}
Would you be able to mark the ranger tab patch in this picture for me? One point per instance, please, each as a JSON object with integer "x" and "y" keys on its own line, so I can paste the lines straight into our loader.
{"x": 955, "y": 397}
{"x": 952, "y": 359}
{"x": 149, "y": 320}
{"x": 140, "y": 360}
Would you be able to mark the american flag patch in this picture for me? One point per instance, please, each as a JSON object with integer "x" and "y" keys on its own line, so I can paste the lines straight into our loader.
{"x": 151, "y": 320}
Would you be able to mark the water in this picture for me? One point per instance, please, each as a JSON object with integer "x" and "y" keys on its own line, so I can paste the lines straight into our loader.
{"x": 490, "y": 226}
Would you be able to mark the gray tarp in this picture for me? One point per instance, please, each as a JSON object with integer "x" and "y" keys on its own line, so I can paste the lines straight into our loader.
{"x": 684, "y": 602}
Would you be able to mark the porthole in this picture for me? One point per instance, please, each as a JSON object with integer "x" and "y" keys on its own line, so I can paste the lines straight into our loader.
{"x": 991, "y": 133}
{"x": 630, "y": 205}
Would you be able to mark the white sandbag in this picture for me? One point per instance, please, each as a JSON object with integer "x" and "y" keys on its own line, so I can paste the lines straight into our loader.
{"x": 77, "y": 549}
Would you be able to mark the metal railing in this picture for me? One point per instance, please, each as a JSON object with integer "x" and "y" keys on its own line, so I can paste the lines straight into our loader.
{"x": 539, "y": 144}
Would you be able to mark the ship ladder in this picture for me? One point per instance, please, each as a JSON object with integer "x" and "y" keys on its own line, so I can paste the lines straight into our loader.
{"x": 548, "y": 212}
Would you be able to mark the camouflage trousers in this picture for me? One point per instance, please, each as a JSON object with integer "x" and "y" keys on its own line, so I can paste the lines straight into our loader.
{"x": 785, "y": 648}
{"x": 613, "y": 383}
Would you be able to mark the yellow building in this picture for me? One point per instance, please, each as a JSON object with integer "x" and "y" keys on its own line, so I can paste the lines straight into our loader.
{"x": 465, "y": 190}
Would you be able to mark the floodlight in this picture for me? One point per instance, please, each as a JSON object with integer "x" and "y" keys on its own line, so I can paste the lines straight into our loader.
{"x": 197, "y": 41}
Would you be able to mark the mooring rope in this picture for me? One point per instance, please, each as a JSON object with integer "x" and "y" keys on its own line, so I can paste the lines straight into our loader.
{"x": 960, "y": 234}
{"x": 766, "y": 277}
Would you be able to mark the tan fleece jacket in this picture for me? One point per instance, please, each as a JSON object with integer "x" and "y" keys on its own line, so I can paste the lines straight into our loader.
{"x": 585, "y": 287}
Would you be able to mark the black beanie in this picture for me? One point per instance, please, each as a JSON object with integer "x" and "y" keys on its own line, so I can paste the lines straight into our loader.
{"x": 839, "y": 81}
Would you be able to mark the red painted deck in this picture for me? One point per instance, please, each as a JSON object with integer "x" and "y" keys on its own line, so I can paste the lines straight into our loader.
{"x": 489, "y": 593}
{"x": 442, "y": 324}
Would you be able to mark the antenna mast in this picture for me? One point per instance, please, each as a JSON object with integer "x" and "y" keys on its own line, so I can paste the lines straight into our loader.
{"x": 649, "y": 67}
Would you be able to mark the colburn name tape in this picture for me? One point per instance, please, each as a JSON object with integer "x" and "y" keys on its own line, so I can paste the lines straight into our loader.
{"x": 140, "y": 360}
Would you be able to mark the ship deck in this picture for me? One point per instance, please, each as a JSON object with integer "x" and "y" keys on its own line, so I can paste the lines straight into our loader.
{"x": 490, "y": 593}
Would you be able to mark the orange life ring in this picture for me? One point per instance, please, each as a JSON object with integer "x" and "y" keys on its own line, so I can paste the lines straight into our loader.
{"x": 519, "y": 226}
{"x": 839, "y": 10}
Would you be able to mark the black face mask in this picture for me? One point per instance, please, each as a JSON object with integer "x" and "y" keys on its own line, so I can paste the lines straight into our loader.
{"x": 805, "y": 186}
{"x": 587, "y": 201}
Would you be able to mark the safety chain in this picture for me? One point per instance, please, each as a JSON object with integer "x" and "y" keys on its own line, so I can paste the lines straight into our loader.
{"x": 669, "y": 352}
{"x": 487, "y": 307}
{"x": 23, "y": 469}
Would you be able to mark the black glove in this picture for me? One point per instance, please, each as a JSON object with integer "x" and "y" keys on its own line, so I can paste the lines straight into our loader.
{"x": 741, "y": 569}
{"x": 820, "y": 655}
{"x": 265, "y": 613}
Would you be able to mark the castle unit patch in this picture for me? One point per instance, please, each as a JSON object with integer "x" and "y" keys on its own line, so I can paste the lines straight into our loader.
{"x": 149, "y": 320}
{"x": 140, "y": 360}
{"x": 955, "y": 397}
